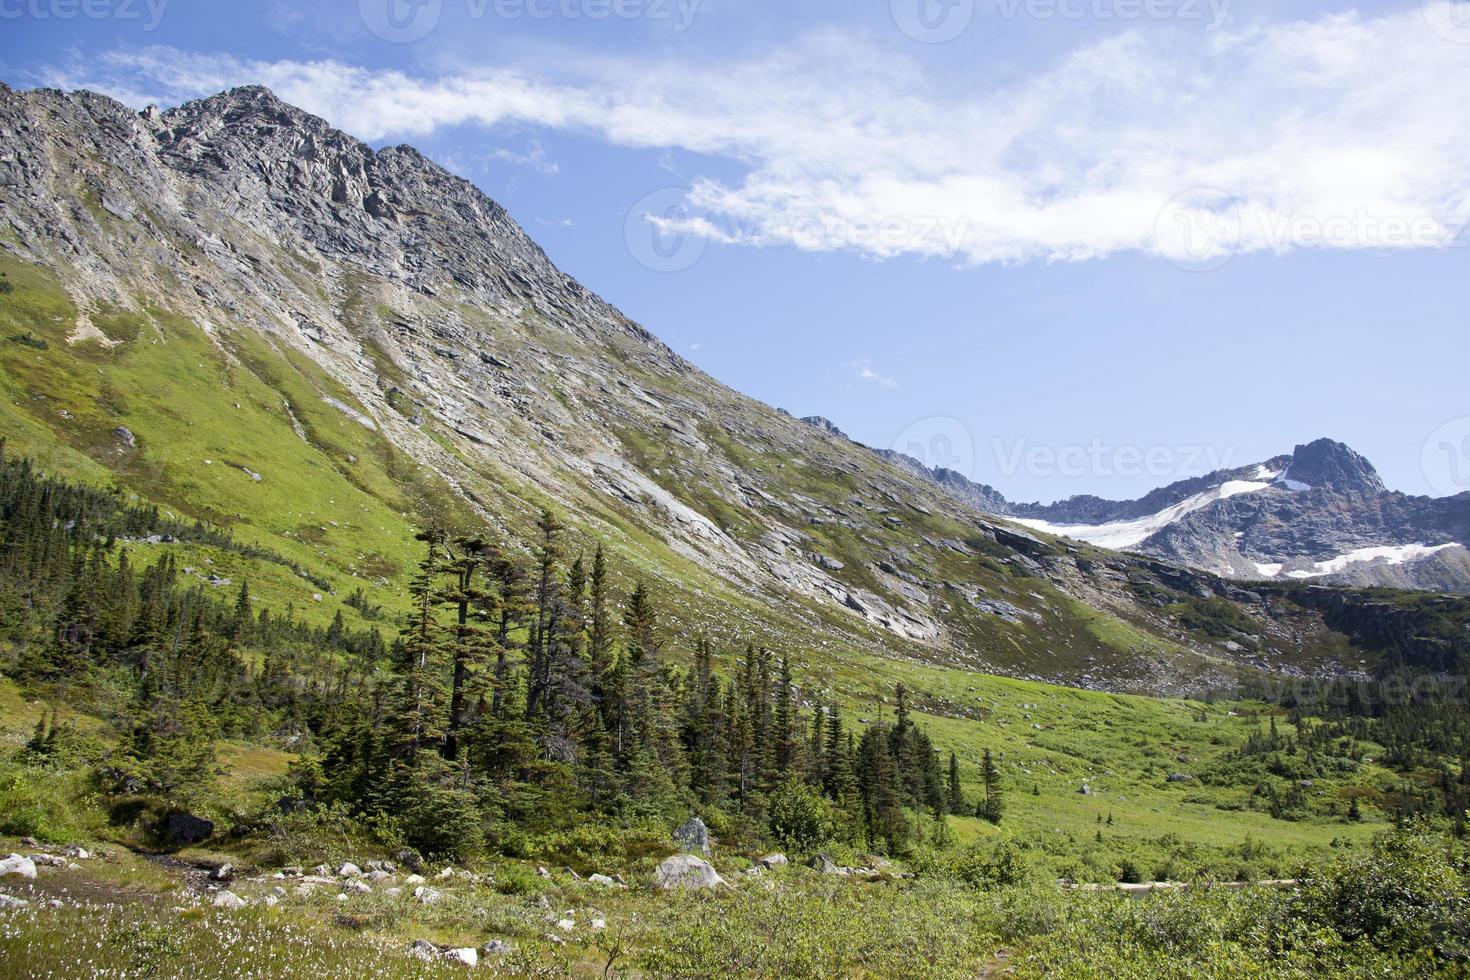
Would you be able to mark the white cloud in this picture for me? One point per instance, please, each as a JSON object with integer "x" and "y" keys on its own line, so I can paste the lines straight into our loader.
{"x": 1347, "y": 131}
{"x": 534, "y": 158}
{"x": 864, "y": 371}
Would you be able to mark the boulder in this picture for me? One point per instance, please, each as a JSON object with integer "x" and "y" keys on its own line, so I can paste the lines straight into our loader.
{"x": 185, "y": 828}
{"x": 423, "y": 949}
{"x": 427, "y": 895}
{"x": 446, "y": 874}
{"x": 693, "y": 836}
{"x": 413, "y": 880}
{"x": 379, "y": 875}
{"x": 228, "y": 900}
{"x": 222, "y": 873}
{"x": 686, "y": 871}
{"x": 772, "y": 861}
{"x": 50, "y": 860}
{"x": 349, "y": 870}
{"x": 18, "y": 866}
{"x": 463, "y": 957}
{"x": 356, "y": 887}
{"x": 824, "y": 864}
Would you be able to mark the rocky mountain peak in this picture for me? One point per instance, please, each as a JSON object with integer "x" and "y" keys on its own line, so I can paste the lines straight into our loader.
{"x": 1332, "y": 465}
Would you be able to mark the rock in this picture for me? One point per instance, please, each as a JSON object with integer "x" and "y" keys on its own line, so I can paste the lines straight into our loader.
{"x": 409, "y": 858}
{"x": 322, "y": 871}
{"x": 599, "y": 924}
{"x": 185, "y": 828}
{"x": 772, "y": 861}
{"x": 77, "y": 852}
{"x": 446, "y": 874}
{"x": 292, "y": 871}
{"x": 601, "y": 879}
{"x": 1086, "y": 790}
{"x": 50, "y": 860}
{"x": 497, "y": 947}
{"x": 349, "y": 870}
{"x": 1179, "y": 777}
{"x": 686, "y": 871}
{"x": 17, "y": 866}
{"x": 125, "y": 436}
{"x": 427, "y": 895}
{"x": 357, "y": 887}
{"x": 824, "y": 864}
{"x": 379, "y": 875}
{"x": 464, "y": 957}
{"x": 423, "y": 949}
{"x": 228, "y": 900}
{"x": 693, "y": 836}
{"x": 222, "y": 873}
{"x": 270, "y": 901}
{"x": 542, "y": 873}
{"x": 413, "y": 880}
{"x": 303, "y": 891}
{"x": 11, "y": 902}
{"x": 29, "y": 842}
{"x": 566, "y": 925}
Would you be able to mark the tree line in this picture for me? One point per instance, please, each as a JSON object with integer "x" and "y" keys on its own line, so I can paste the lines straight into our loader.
{"x": 521, "y": 693}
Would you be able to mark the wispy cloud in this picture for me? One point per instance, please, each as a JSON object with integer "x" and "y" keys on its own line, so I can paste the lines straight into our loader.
{"x": 1347, "y": 118}
{"x": 534, "y": 158}
{"x": 863, "y": 371}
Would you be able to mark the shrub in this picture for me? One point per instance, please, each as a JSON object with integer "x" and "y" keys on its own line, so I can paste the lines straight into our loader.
{"x": 800, "y": 818}
{"x": 988, "y": 866}
{"x": 32, "y": 804}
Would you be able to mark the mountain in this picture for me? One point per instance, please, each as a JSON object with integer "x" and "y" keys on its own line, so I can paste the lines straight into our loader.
{"x": 1320, "y": 514}
{"x": 241, "y": 315}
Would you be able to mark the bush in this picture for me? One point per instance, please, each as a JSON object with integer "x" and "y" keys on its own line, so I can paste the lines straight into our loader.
{"x": 800, "y": 818}
{"x": 989, "y": 866}
{"x": 32, "y": 804}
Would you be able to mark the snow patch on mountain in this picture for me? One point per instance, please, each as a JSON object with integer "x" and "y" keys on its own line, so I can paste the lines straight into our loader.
{"x": 1387, "y": 554}
{"x": 1128, "y": 534}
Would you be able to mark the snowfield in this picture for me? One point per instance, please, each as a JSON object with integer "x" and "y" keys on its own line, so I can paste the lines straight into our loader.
{"x": 1388, "y": 554}
{"x": 1127, "y": 534}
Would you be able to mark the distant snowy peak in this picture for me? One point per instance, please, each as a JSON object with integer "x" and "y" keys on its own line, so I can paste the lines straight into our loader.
{"x": 1321, "y": 513}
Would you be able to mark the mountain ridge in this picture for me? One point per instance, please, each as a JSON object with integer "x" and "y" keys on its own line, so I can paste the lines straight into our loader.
{"x": 323, "y": 346}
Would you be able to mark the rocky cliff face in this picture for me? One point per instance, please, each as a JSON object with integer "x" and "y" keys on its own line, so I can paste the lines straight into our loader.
{"x": 322, "y": 345}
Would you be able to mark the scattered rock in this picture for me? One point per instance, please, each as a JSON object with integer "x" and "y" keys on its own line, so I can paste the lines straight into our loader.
{"x": 464, "y": 957}
{"x": 228, "y": 900}
{"x": 427, "y": 895}
{"x": 185, "y": 828}
{"x": 824, "y": 864}
{"x": 497, "y": 947}
{"x": 349, "y": 870}
{"x": 11, "y": 902}
{"x": 357, "y": 887}
{"x": 18, "y": 866}
{"x": 693, "y": 836}
{"x": 413, "y": 880}
{"x": 50, "y": 860}
{"x": 686, "y": 871}
{"x": 772, "y": 861}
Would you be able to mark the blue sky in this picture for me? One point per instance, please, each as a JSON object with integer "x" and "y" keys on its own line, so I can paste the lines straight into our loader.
{"x": 1065, "y": 246}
